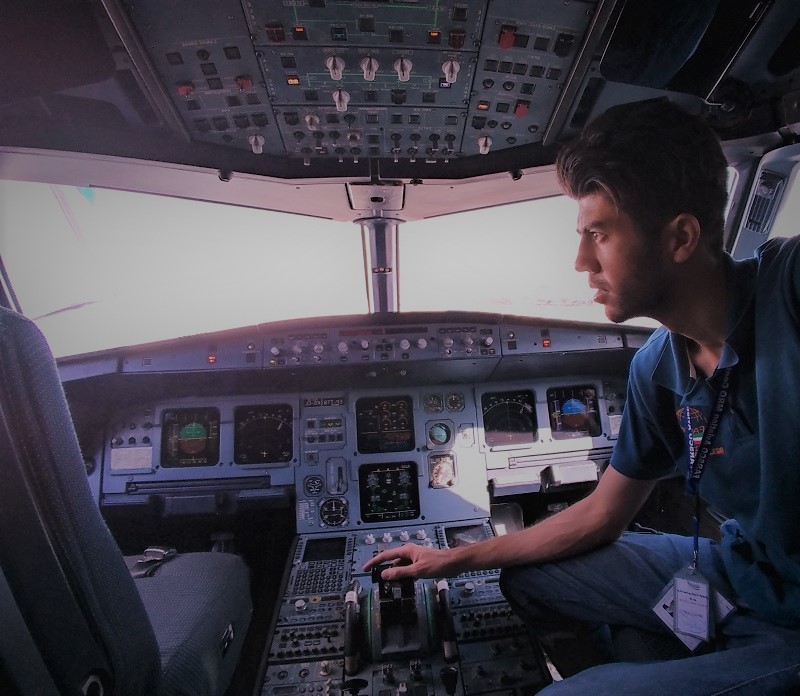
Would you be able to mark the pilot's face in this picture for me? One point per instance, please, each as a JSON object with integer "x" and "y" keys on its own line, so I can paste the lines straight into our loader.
{"x": 627, "y": 270}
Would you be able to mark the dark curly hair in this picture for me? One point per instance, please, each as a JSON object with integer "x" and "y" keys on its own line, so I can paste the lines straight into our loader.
{"x": 654, "y": 161}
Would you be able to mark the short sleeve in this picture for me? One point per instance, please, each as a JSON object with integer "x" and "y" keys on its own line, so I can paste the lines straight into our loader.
{"x": 641, "y": 451}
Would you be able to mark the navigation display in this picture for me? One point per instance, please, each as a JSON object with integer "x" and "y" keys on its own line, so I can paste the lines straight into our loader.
{"x": 573, "y": 412}
{"x": 190, "y": 437}
{"x": 262, "y": 434}
{"x": 388, "y": 491}
{"x": 385, "y": 424}
{"x": 509, "y": 418}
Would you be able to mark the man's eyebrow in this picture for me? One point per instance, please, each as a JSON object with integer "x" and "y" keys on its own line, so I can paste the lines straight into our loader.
{"x": 594, "y": 225}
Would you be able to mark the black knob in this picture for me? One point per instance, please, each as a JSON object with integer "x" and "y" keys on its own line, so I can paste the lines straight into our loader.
{"x": 449, "y": 677}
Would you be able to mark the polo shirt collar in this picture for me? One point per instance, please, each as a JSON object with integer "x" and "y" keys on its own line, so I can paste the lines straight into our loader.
{"x": 673, "y": 369}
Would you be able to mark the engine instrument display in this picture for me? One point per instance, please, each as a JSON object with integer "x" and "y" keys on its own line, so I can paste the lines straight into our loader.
{"x": 509, "y": 418}
{"x": 263, "y": 434}
{"x": 385, "y": 424}
{"x": 388, "y": 491}
{"x": 573, "y": 412}
{"x": 190, "y": 437}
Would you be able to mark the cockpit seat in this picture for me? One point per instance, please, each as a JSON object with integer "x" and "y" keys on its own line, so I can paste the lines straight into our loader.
{"x": 97, "y": 630}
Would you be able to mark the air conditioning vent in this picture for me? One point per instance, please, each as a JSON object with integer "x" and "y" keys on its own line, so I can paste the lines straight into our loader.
{"x": 765, "y": 202}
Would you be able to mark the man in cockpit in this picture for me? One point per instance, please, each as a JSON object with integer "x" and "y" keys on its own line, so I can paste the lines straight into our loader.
{"x": 711, "y": 395}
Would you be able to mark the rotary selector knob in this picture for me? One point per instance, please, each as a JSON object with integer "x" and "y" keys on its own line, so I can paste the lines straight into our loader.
{"x": 469, "y": 588}
{"x": 421, "y": 534}
{"x": 387, "y": 537}
{"x": 364, "y": 344}
{"x": 369, "y": 67}
{"x": 404, "y": 535}
{"x": 318, "y": 348}
{"x": 341, "y": 98}
{"x": 335, "y": 67}
{"x": 369, "y": 539}
{"x": 422, "y": 343}
{"x": 300, "y": 605}
{"x": 342, "y": 347}
{"x": 324, "y": 668}
{"x": 275, "y": 351}
{"x": 402, "y": 66}
{"x": 405, "y": 344}
{"x": 447, "y": 342}
{"x": 297, "y": 349}
{"x": 488, "y": 341}
{"x": 468, "y": 340}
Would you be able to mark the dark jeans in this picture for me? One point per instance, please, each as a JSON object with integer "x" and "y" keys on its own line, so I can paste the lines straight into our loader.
{"x": 617, "y": 585}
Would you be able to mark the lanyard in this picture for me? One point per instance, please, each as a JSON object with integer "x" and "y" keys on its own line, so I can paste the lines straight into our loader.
{"x": 698, "y": 457}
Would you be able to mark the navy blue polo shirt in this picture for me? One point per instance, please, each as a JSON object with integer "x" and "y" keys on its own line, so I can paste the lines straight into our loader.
{"x": 753, "y": 472}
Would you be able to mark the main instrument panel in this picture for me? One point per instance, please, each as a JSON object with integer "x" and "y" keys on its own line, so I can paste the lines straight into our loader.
{"x": 355, "y": 457}
{"x": 519, "y": 408}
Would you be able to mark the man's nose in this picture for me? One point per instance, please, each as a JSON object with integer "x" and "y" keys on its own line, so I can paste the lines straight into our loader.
{"x": 585, "y": 260}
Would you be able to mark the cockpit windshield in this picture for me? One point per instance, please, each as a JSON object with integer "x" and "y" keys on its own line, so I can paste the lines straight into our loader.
{"x": 124, "y": 268}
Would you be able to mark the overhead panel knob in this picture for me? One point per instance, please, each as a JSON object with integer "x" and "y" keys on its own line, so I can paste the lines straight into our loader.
{"x": 484, "y": 144}
{"x": 256, "y": 143}
{"x": 402, "y": 66}
{"x": 405, "y": 344}
{"x": 342, "y": 347}
{"x": 370, "y": 67}
{"x": 341, "y": 98}
{"x": 312, "y": 121}
{"x": 422, "y": 343}
{"x": 450, "y": 69}
{"x": 335, "y": 66}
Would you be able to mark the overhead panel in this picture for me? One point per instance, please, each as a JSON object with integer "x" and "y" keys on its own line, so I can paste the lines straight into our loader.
{"x": 343, "y": 79}
{"x": 204, "y": 54}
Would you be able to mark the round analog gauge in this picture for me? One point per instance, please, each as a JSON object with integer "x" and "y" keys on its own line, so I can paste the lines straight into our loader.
{"x": 439, "y": 434}
{"x": 433, "y": 403}
{"x": 455, "y": 401}
{"x": 333, "y": 511}
{"x": 313, "y": 485}
{"x": 443, "y": 471}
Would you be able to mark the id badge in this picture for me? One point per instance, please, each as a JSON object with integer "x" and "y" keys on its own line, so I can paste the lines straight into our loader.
{"x": 692, "y": 615}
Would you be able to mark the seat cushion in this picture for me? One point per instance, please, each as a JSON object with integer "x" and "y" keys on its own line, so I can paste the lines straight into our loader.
{"x": 191, "y": 601}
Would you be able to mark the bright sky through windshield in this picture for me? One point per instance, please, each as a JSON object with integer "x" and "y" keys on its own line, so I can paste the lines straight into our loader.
{"x": 515, "y": 259}
{"x": 101, "y": 269}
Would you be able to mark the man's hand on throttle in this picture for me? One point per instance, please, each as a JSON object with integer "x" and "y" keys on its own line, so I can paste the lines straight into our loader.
{"x": 411, "y": 561}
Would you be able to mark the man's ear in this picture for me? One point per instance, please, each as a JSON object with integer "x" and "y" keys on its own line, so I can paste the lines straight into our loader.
{"x": 682, "y": 235}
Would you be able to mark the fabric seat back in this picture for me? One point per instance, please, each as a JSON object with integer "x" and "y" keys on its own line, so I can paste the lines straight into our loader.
{"x": 61, "y": 562}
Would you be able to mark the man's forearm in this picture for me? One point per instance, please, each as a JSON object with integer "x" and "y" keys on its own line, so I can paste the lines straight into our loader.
{"x": 574, "y": 530}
